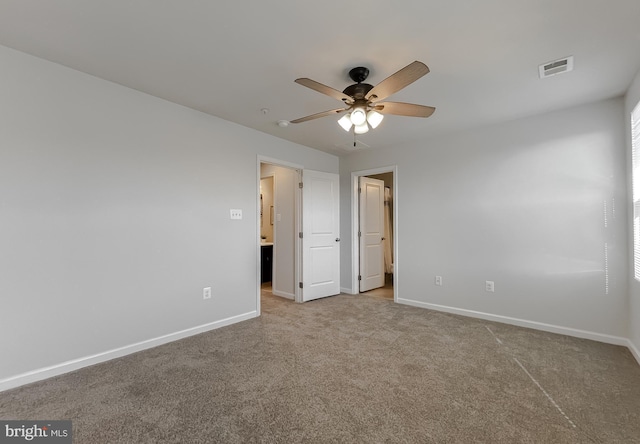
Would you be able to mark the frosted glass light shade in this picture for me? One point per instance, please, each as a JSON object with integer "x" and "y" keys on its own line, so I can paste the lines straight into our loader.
{"x": 374, "y": 118}
{"x": 358, "y": 116}
{"x": 345, "y": 122}
{"x": 361, "y": 129}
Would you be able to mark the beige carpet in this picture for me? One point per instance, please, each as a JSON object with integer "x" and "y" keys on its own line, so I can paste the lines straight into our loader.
{"x": 350, "y": 369}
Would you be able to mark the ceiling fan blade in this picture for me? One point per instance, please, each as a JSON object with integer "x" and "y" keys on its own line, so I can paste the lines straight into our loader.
{"x": 395, "y": 82}
{"x": 404, "y": 109}
{"x": 318, "y": 115}
{"x": 324, "y": 89}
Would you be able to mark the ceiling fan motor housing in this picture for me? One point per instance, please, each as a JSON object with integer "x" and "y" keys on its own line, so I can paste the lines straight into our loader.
{"x": 358, "y": 90}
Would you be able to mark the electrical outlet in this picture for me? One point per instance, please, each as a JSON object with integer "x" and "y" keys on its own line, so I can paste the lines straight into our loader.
{"x": 489, "y": 286}
{"x": 206, "y": 293}
{"x": 439, "y": 281}
{"x": 235, "y": 214}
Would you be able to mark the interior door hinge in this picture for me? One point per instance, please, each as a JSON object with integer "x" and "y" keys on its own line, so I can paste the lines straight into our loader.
{"x": 359, "y": 190}
{"x": 300, "y": 235}
{"x": 300, "y": 284}
{"x": 359, "y": 277}
{"x": 300, "y": 184}
{"x": 359, "y": 233}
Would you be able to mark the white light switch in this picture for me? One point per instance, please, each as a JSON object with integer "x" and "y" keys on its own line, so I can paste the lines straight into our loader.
{"x": 236, "y": 214}
{"x": 489, "y": 286}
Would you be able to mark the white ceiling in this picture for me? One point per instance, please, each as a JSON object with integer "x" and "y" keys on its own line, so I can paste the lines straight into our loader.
{"x": 233, "y": 58}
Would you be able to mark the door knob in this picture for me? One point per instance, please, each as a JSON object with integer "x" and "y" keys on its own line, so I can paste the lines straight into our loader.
{"x": 383, "y": 238}
{"x": 337, "y": 239}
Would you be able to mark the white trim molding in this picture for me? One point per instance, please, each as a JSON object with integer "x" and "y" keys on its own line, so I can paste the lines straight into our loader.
{"x": 76, "y": 364}
{"x": 584, "y": 334}
{"x": 634, "y": 350}
{"x": 284, "y": 294}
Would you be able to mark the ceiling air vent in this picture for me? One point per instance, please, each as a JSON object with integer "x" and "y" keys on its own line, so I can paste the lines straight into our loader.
{"x": 556, "y": 67}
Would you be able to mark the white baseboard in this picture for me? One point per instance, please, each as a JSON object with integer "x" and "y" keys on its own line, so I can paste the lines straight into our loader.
{"x": 608, "y": 339}
{"x": 284, "y": 294}
{"x": 634, "y": 350}
{"x": 75, "y": 364}
{"x": 347, "y": 290}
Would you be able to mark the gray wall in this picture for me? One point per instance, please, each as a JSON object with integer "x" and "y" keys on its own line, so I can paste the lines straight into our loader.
{"x": 114, "y": 214}
{"x": 632, "y": 98}
{"x": 523, "y": 204}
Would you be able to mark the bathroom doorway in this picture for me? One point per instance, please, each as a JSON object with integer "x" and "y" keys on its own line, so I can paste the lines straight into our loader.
{"x": 278, "y": 228}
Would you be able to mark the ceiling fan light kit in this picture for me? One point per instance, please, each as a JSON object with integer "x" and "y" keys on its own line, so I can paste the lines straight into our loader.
{"x": 360, "y": 121}
{"x": 361, "y": 129}
{"x": 374, "y": 118}
{"x": 365, "y": 108}
{"x": 345, "y": 122}
{"x": 358, "y": 116}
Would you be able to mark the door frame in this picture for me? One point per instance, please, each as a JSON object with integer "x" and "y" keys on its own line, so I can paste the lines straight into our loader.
{"x": 355, "y": 226}
{"x": 297, "y": 229}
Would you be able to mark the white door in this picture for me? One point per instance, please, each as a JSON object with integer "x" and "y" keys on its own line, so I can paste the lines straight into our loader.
{"x": 371, "y": 233}
{"x": 321, "y": 235}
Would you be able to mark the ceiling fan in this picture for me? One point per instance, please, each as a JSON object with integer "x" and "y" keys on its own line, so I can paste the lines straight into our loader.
{"x": 364, "y": 102}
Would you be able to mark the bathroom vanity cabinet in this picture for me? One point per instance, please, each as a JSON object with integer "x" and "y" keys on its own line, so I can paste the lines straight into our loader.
{"x": 266, "y": 262}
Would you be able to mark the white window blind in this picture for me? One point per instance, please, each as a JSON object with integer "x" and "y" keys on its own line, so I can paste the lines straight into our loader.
{"x": 635, "y": 159}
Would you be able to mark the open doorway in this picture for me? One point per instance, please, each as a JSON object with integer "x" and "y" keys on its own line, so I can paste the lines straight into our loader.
{"x": 374, "y": 227}
{"x": 278, "y": 227}
{"x": 386, "y": 289}
{"x": 305, "y": 257}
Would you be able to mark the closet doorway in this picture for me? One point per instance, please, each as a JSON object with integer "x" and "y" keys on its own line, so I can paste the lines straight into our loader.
{"x": 375, "y": 262}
